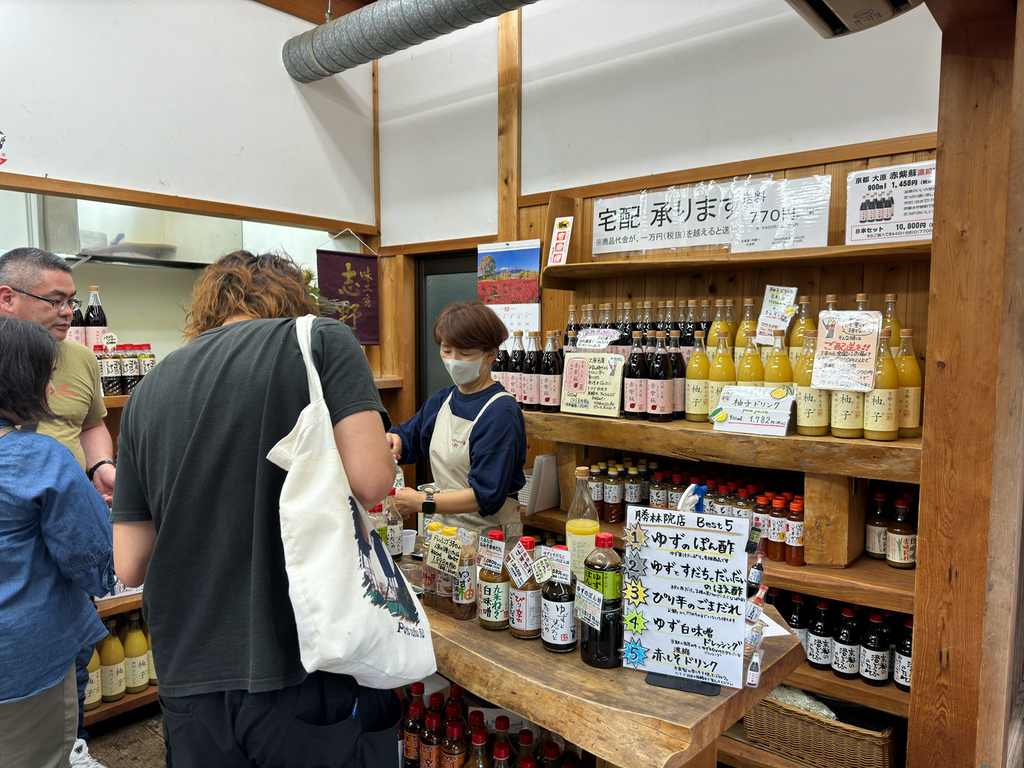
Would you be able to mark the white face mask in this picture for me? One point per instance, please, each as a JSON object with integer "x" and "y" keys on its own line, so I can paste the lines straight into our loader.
{"x": 463, "y": 372}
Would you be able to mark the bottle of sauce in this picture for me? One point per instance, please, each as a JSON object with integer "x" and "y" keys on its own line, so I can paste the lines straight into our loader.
{"x": 659, "y": 492}
{"x": 722, "y": 373}
{"x": 744, "y": 505}
{"x": 677, "y": 362}
{"x": 671, "y": 323}
{"x": 551, "y": 375}
{"x": 881, "y": 415}
{"x": 762, "y": 511}
{"x": 464, "y": 586}
{"x": 846, "y": 647}
{"x": 595, "y": 484}
{"x": 697, "y": 370}
{"x": 531, "y": 372}
{"x": 748, "y": 323}
{"x": 901, "y": 667}
{"x": 76, "y": 330}
{"x": 93, "y": 692}
{"x": 891, "y": 321}
{"x": 131, "y": 372}
{"x": 721, "y": 323}
{"x": 557, "y": 616}
{"x": 775, "y": 546}
{"x": 454, "y": 749}
{"x": 499, "y": 367}
{"x": 136, "y": 654}
{"x": 587, "y": 320}
{"x": 874, "y": 654}
{"x": 622, "y": 344}
{"x": 429, "y": 597}
{"x": 395, "y": 526}
{"x": 570, "y": 325}
{"x": 412, "y": 727}
{"x": 453, "y": 713}
{"x": 811, "y": 404}
{"x": 634, "y": 381}
{"x": 603, "y": 572}
{"x": 756, "y": 575}
{"x": 803, "y": 322}
{"x": 659, "y": 382}
{"x": 494, "y": 593}
{"x": 501, "y": 758}
{"x": 95, "y": 319}
{"x": 430, "y": 739}
{"x": 477, "y": 757}
{"x": 516, "y": 363}
{"x": 112, "y": 666}
{"x": 110, "y": 371}
{"x": 778, "y": 372}
{"x": 755, "y": 605}
{"x": 445, "y": 582}
{"x": 909, "y": 372}
{"x": 613, "y": 498}
{"x": 583, "y": 521}
{"x": 875, "y": 527}
{"x": 819, "y": 638}
{"x": 633, "y": 487}
{"x": 797, "y": 618}
{"x": 524, "y": 602}
{"x": 795, "y": 534}
{"x": 750, "y": 372}
{"x": 526, "y": 747}
{"x": 901, "y": 538}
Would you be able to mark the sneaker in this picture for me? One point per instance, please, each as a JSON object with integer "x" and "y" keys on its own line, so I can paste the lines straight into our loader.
{"x": 80, "y": 757}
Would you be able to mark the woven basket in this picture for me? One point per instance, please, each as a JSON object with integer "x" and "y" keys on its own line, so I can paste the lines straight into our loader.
{"x": 816, "y": 740}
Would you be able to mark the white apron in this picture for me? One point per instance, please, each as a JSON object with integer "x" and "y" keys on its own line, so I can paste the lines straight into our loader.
{"x": 449, "y": 462}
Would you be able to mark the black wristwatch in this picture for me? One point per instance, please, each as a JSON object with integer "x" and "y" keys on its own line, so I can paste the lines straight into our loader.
{"x": 92, "y": 470}
{"x": 428, "y": 504}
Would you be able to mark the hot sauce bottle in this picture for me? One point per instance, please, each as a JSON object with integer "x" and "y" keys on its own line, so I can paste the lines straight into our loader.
{"x": 775, "y": 547}
{"x": 411, "y": 729}
{"x": 795, "y": 534}
{"x": 613, "y": 495}
{"x": 901, "y": 538}
{"x": 596, "y": 486}
{"x": 430, "y": 740}
{"x": 454, "y": 748}
{"x": 634, "y": 384}
{"x": 603, "y": 572}
{"x": 478, "y": 751}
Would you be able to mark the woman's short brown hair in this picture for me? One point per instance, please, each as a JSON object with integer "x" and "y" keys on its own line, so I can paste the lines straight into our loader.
{"x": 470, "y": 325}
{"x": 261, "y": 286}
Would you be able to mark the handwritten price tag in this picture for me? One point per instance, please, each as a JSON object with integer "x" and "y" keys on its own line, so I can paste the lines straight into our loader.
{"x": 519, "y": 565}
{"x": 542, "y": 570}
{"x": 560, "y": 562}
{"x": 444, "y": 555}
{"x": 588, "y": 605}
{"x": 492, "y": 554}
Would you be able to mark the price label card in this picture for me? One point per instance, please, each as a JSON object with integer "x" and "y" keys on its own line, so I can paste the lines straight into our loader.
{"x": 847, "y": 349}
{"x": 754, "y": 410}
{"x": 588, "y": 605}
{"x": 560, "y": 561}
{"x": 592, "y": 383}
{"x": 464, "y": 536}
{"x": 492, "y": 555}
{"x": 542, "y": 570}
{"x": 519, "y": 565}
{"x": 595, "y": 338}
{"x": 776, "y": 311}
{"x": 109, "y": 339}
{"x": 890, "y": 204}
{"x": 778, "y": 215}
{"x": 444, "y": 554}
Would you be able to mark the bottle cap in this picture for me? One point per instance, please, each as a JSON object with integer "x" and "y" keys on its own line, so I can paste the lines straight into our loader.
{"x": 434, "y": 527}
{"x": 730, "y": 302}
{"x": 908, "y": 623}
{"x": 525, "y": 737}
{"x": 496, "y": 536}
{"x": 862, "y": 297}
{"x": 886, "y": 333}
{"x": 517, "y": 333}
{"x": 848, "y": 613}
{"x": 902, "y": 503}
{"x": 583, "y": 471}
{"x": 476, "y": 719}
{"x": 876, "y": 618}
{"x": 448, "y": 530}
{"x": 796, "y": 597}
{"x": 527, "y": 761}
{"x": 659, "y": 476}
{"x": 743, "y": 493}
{"x": 416, "y": 709}
{"x": 454, "y": 709}
{"x": 748, "y": 302}
{"x": 891, "y": 297}
{"x": 698, "y": 334}
{"x": 436, "y": 700}
{"x": 822, "y": 605}
{"x": 762, "y": 499}
{"x": 97, "y": 348}
{"x": 719, "y": 302}
{"x": 810, "y": 333}
{"x": 604, "y": 541}
{"x": 773, "y": 591}
{"x": 453, "y": 730}
{"x": 455, "y": 691}
{"x": 572, "y": 307}
{"x": 500, "y": 750}
{"x": 906, "y": 332}
{"x": 879, "y": 496}
{"x": 416, "y": 689}
{"x": 779, "y": 503}
{"x": 433, "y": 720}
{"x": 550, "y": 750}
{"x": 803, "y": 299}
{"x": 480, "y": 735}
{"x": 723, "y": 334}
{"x": 527, "y": 542}
{"x": 94, "y": 287}
{"x": 832, "y": 297}
{"x": 501, "y": 723}
{"x": 778, "y": 333}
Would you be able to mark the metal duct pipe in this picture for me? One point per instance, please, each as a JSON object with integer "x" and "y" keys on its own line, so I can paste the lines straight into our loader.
{"x": 383, "y": 27}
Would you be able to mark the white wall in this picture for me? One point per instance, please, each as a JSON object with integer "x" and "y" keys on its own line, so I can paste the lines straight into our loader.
{"x": 438, "y": 106}
{"x": 612, "y": 93}
{"x": 187, "y": 98}
{"x": 300, "y": 244}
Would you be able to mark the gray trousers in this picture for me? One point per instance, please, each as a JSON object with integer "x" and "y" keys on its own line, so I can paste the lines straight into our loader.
{"x": 39, "y": 732}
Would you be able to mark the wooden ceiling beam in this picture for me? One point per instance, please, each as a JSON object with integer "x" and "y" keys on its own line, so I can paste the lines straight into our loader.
{"x": 315, "y": 11}
{"x": 950, "y": 13}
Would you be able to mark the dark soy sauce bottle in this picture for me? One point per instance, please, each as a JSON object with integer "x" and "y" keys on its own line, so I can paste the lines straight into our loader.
{"x": 603, "y": 571}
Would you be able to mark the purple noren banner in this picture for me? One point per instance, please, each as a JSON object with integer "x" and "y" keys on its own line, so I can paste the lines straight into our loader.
{"x": 352, "y": 278}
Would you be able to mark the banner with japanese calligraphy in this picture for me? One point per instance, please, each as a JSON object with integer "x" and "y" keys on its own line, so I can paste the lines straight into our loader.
{"x": 684, "y": 592}
{"x": 351, "y": 279}
{"x": 890, "y": 204}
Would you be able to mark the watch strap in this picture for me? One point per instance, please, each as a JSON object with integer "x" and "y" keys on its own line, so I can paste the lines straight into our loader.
{"x": 92, "y": 470}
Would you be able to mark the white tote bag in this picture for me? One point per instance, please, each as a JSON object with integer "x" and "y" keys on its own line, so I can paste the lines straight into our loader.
{"x": 355, "y": 611}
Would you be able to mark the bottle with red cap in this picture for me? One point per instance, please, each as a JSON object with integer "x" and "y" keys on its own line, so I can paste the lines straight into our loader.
{"x": 476, "y": 720}
{"x": 415, "y": 693}
{"x": 457, "y": 693}
{"x": 453, "y": 713}
{"x": 602, "y": 571}
{"x": 477, "y": 757}
{"x": 528, "y": 762}
{"x": 436, "y": 704}
{"x": 846, "y": 647}
{"x": 874, "y": 653}
{"x": 550, "y": 756}
{"x": 412, "y": 726}
{"x": 775, "y": 546}
{"x": 430, "y": 740}
{"x": 454, "y": 748}
{"x": 525, "y": 602}
{"x": 525, "y": 741}
{"x": 501, "y": 756}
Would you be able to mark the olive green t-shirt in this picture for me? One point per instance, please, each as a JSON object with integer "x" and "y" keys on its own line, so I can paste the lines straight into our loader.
{"x": 78, "y": 400}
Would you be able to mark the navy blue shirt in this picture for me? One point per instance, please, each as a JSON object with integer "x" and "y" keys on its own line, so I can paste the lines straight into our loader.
{"x": 55, "y": 547}
{"x": 497, "y": 444}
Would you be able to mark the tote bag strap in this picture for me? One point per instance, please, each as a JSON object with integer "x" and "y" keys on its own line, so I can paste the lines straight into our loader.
{"x": 304, "y": 331}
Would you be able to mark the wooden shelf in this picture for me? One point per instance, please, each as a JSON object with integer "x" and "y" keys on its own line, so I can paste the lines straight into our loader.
{"x": 113, "y": 708}
{"x": 115, "y": 401}
{"x": 553, "y": 520}
{"x": 865, "y": 582}
{"x": 116, "y": 605}
{"x": 388, "y": 382}
{"x": 564, "y": 276}
{"x": 898, "y": 461}
{"x": 888, "y": 698}
{"x": 735, "y": 750}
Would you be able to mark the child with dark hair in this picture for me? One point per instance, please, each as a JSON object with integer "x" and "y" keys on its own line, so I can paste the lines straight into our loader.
{"x": 55, "y": 546}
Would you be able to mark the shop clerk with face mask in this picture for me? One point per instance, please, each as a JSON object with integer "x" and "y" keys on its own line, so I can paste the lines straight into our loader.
{"x": 473, "y": 432}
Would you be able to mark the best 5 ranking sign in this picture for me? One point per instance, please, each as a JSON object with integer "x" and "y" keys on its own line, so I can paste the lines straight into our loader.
{"x": 684, "y": 593}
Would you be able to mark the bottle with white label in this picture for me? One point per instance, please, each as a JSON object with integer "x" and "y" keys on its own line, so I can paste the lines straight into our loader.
{"x": 634, "y": 381}
{"x": 659, "y": 492}
{"x": 112, "y": 667}
{"x": 881, "y": 415}
{"x": 756, "y": 575}
{"x": 524, "y": 602}
{"x": 875, "y": 527}
{"x": 819, "y": 639}
{"x": 516, "y": 361}
{"x": 811, "y": 404}
{"x": 874, "y": 654}
{"x": 551, "y": 376}
{"x": 93, "y": 693}
{"x": 464, "y": 584}
{"x": 531, "y": 372}
{"x": 755, "y": 605}
{"x": 901, "y": 667}
{"x": 136, "y": 656}
{"x": 633, "y": 486}
{"x": 660, "y": 382}
{"x": 846, "y": 647}
{"x": 395, "y": 525}
{"x": 557, "y": 611}
{"x": 493, "y": 592}
{"x": 901, "y": 538}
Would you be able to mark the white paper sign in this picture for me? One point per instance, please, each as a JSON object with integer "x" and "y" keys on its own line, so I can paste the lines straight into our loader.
{"x": 588, "y": 605}
{"x": 754, "y": 410}
{"x": 889, "y": 204}
{"x": 492, "y": 555}
{"x": 560, "y": 562}
{"x": 590, "y": 339}
{"x": 559, "y": 251}
{"x": 847, "y": 350}
{"x": 683, "y": 595}
{"x": 776, "y": 311}
{"x": 672, "y": 218}
{"x": 519, "y": 565}
{"x": 777, "y": 215}
{"x": 542, "y": 570}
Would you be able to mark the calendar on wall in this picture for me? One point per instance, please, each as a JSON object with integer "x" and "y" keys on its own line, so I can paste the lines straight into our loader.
{"x": 518, "y": 317}
{"x": 508, "y": 281}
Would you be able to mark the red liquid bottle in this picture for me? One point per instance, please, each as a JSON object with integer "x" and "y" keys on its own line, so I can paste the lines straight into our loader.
{"x": 95, "y": 319}
{"x": 659, "y": 382}
{"x": 634, "y": 384}
{"x": 551, "y": 376}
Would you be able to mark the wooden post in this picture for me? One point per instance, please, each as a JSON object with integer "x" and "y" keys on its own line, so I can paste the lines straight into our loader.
{"x": 971, "y": 281}
{"x": 510, "y": 111}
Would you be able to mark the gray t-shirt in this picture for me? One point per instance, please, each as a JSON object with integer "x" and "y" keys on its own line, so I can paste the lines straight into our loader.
{"x": 192, "y": 458}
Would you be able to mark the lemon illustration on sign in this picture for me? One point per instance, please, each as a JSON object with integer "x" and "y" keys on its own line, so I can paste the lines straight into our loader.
{"x": 719, "y": 414}
{"x": 779, "y": 392}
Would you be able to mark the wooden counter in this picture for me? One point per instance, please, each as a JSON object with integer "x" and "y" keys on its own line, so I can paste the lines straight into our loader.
{"x": 611, "y": 713}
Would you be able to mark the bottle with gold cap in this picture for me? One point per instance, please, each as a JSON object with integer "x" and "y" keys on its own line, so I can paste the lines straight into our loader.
{"x": 891, "y": 320}
{"x": 722, "y": 373}
{"x": 720, "y": 324}
{"x": 811, "y": 403}
{"x": 861, "y": 303}
{"x": 429, "y": 597}
{"x": 803, "y": 322}
{"x": 778, "y": 372}
{"x": 881, "y": 419}
{"x": 750, "y": 371}
{"x": 697, "y": 370}
{"x": 730, "y": 317}
{"x": 831, "y": 302}
{"x": 136, "y": 656}
{"x": 112, "y": 667}
{"x": 93, "y": 692}
{"x": 910, "y": 386}
{"x": 748, "y": 323}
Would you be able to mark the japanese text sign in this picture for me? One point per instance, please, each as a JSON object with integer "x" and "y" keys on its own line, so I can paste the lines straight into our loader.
{"x": 754, "y": 410}
{"x": 519, "y": 565}
{"x": 592, "y": 383}
{"x": 847, "y": 351}
{"x": 684, "y": 593}
{"x": 558, "y": 253}
{"x": 776, "y": 311}
{"x": 444, "y": 554}
{"x": 777, "y": 215}
{"x": 351, "y": 279}
{"x": 890, "y": 204}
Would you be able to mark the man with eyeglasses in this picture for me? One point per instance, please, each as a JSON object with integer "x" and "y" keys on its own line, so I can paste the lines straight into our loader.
{"x": 36, "y": 285}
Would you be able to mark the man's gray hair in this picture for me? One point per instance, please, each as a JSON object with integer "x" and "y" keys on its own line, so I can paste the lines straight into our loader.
{"x": 22, "y": 266}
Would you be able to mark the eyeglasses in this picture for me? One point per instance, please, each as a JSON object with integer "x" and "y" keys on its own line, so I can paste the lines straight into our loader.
{"x": 59, "y": 304}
